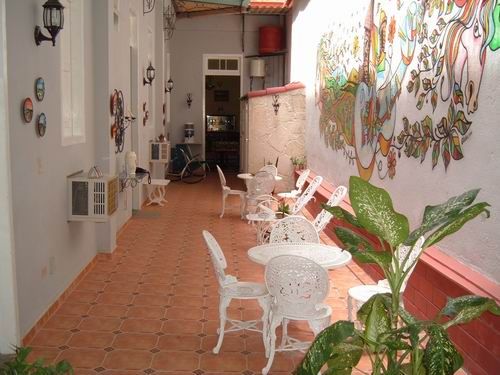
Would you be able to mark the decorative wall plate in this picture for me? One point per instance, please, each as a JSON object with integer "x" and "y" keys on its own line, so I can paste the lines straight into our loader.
{"x": 41, "y": 124}
{"x": 27, "y": 110}
{"x": 113, "y": 102}
{"x": 39, "y": 89}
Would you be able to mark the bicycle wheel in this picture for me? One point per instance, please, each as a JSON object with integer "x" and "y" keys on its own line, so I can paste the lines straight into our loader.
{"x": 194, "y": 172}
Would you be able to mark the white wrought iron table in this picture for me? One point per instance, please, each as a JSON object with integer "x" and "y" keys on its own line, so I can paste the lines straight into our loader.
{"x": 327, "y": 256}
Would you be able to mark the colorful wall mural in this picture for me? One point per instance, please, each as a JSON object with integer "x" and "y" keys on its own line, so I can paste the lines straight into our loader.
{"x": 431, "y": 51}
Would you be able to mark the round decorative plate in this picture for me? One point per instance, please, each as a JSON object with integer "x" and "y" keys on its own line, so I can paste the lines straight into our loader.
{"x": 41, "y": 125}
{"x": 27, "y": 110}
{"x": 39, "y": 89}
{"x": 113, "y": 103}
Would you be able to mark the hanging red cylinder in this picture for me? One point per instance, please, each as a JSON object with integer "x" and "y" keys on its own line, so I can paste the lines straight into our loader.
{"x": 270, "y": 39}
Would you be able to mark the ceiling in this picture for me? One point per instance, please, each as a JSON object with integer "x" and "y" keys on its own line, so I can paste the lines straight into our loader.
{"x": 191, "y": 8}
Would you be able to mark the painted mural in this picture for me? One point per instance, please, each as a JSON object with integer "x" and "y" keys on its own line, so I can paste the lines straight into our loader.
{"x": 431, "y": 51}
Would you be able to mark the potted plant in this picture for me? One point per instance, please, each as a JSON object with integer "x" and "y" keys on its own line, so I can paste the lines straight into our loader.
{"x": 20, "y": 365}
{"x": 396, "y": 341}
{"x": 283, "y": 209}
{"x": 299, "y": 162}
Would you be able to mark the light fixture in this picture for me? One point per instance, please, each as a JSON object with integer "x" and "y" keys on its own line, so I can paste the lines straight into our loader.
{"x": 276, "y": 103}
{"x": 169, "y": 17}
{"x": 53, "y": 21}
{"x": 169, "y": 86}
{"x": 189, "y": 99}
{"x": 150, "y": 75}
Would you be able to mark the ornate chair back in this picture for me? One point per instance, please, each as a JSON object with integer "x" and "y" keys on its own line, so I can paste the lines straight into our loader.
{"x": 221, "y": 177}
{"x": 270, "y": 168}
{"x": 302, "y": 180}
{"x": 217, "y": 257}
{"x": 307, "y": 195}
{"x": 297, "y": 284}
{"x": 293, "y": 229}
{"x": 324, "y": 217}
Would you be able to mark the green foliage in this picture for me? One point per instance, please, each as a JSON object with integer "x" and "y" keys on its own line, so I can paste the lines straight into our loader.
{"x": 21, "y": 366}
{"x": 396, "y": 341}
{"x": 284, "y": 208}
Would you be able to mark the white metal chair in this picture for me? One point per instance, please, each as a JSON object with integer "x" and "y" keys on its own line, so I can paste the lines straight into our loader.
{"x": 293, "y": 194}
{"x": 358, "y": 295}
{"x": 261, "y": 184}
{"x": 306, "y": 196}
{"x": 324, "y": 217}
{"x": 270, "y": 168}
{"x": 293, "y": 229}
{"x": 230, "y": 288}
{"x": 226, "y": 191}
{"x": 298, "y": 286}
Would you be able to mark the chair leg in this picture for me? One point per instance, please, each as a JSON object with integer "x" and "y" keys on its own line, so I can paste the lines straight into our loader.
{"x": 223, "y": 204}
{"x": 284, "y": 335}
{"x": 275, "y": 322}
{"x": 265, "y": 303}
{"x": 223, "y": 304}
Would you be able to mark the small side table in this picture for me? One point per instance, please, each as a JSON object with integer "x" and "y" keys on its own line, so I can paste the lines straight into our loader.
{"x": 156, "y": 191}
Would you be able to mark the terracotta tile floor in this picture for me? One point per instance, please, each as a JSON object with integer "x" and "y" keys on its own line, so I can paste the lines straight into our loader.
{"x": 153, "y": 307}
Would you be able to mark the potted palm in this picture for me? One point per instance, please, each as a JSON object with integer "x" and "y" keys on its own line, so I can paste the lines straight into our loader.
{"x": 395, "y": 340}
{"x": 299, "y": 162}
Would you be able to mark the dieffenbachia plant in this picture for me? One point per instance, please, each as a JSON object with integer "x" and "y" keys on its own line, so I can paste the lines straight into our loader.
{"x": 396, "y": 341}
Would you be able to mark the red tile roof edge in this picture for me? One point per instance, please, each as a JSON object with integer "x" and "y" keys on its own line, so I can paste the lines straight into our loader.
{"x": 276, "y": 90}
{"x": 271, "y": 4}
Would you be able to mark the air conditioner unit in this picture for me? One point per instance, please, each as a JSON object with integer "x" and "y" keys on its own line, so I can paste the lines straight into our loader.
{"x": 159, "y": 152}
{"x": 92, "y": 199}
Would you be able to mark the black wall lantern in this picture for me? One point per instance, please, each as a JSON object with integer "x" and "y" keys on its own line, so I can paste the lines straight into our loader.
{"x": 169, "y": 86}
{"x": 150, "y": 75}
{"x": 276, "y": 103}
{"x": 53, "y": 21}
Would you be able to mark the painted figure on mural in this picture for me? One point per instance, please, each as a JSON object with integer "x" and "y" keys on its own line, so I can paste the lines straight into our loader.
{"x": 437, "y": 47}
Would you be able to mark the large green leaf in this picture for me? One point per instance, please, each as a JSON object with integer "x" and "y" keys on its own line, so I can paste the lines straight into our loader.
{"x": 456, "y": 223}
{"x": 375, "y": 317}
{"x": 374, "y": 211}
{"x": 344, "y": 357}
{"x": 466, "y": 308}
{"x": 324, "y": 345}
{"x": 440, "y": 214}
{"x": 340, "y": 213}
{"x": 361, "y": 249}
{"x": 440, "y": 355}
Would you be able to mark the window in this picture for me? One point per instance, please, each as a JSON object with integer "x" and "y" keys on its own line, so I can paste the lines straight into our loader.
{"x": 222, "y": 66}
{"x": 72, "y": 75}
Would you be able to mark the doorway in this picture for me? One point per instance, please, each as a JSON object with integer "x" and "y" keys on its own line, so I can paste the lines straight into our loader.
{"x": 222, "y": 90}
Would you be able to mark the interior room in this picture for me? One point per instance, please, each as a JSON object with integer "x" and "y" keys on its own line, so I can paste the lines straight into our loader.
{"x": 249, "y": 186}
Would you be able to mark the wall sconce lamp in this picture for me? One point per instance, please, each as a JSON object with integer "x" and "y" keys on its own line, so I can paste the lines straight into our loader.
{"x": 150, "y": 75}
{"x": 276, "y": 104}
{"x": 189, "y": 99}
{"x": 169, "y": 86}
{"x": 53, "y": 21}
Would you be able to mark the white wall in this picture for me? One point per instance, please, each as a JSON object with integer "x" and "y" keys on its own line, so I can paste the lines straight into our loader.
{"x": 193, "y": 37}
{"x": 415, "y": 184}
{"x": 40, "y": 165}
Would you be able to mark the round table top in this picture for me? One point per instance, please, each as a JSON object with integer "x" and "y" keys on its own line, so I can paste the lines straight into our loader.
{"x": 325, "y": 255}
{"x": 249, "y": 176}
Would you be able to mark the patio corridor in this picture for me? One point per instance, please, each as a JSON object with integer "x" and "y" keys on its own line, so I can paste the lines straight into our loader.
{"x": 153, "y": 306}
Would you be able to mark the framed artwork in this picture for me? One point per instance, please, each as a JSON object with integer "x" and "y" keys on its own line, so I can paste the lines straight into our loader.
{"x": 27, "y": 110}
{"x": 39, "y": 89}
{"x": 41, "y": 125}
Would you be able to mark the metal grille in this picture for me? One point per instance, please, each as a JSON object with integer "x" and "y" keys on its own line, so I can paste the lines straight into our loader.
{"x": 99, "y": 198}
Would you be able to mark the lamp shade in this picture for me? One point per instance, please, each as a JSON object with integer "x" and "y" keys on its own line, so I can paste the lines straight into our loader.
{"x": 53, "y": 18}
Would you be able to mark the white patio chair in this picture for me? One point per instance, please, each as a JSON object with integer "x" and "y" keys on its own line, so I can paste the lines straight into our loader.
{"x": 293, "y": 194}
{"x": 261, "y": 184}
{"x": 270, "y": 168}
{"x": 306, "y": 196}
{"x": 230, "y": 288}
{"x": 226, "y": 190}
{"x": 358, "y": 295}
{"x": 298, "y": 286}
{"x": 324, "y": 217}
{"x": 293, "y": 229}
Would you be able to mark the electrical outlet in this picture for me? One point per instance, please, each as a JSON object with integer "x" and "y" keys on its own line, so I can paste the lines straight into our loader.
{"x": 52, "y": 265}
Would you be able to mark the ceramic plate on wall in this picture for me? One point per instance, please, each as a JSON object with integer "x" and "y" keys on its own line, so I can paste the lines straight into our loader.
{"x": 39, "y": 89}
{"x": 27, "y": 110}
{"x": 113, "y": 103}
{"x": 41, "y": 125}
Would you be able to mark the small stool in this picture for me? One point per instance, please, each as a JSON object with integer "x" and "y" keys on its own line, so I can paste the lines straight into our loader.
{"x": 156, "y": 191}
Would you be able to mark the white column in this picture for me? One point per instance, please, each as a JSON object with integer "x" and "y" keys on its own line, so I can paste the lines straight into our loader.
{"x": 9, "y": 320}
